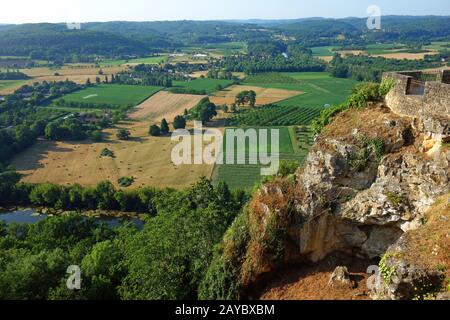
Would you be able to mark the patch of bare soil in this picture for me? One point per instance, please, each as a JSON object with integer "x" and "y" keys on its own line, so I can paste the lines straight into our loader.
{"x": 311, "y": 282}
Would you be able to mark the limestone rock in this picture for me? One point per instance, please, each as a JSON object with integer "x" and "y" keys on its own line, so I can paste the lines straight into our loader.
{"x": 340, "y": 277}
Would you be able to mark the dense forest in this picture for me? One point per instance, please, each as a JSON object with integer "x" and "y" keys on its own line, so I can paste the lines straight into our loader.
{"x": 173, "y": 250}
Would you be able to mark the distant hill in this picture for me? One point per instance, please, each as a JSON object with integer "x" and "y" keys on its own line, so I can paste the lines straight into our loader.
{"x": 50, "y": 41}
{"x": 56, "y": 41}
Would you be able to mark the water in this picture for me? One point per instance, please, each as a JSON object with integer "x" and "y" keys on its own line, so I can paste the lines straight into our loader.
{"x": 30, "y": 216}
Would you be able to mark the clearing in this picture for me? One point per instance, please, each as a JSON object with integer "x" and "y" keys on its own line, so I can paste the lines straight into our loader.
{"x": 165, "y": 105}
{"x": 147, "y": 159}
{"x": 263, "y": 95}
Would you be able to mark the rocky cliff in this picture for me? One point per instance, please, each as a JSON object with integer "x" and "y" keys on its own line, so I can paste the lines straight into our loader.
{"x": 368, "y": 181}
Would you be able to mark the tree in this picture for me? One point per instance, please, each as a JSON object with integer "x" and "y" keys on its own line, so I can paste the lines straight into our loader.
{"x": 251, "y": 97}
{"x": 52, "y": 131}
{"x": 123, "y": 134}
{"x": 154, "y": 131}
{"x": 164, "y": 127}
{"x": 179, "y": 122}
{"x": 96, "y": 136}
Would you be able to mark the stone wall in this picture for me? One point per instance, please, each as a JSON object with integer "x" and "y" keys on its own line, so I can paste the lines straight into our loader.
{"x": 431, "y": 105}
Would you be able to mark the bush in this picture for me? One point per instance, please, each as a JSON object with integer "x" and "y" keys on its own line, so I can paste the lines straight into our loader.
{"x": 125, "y": 182}
{"x": 288, "y": 167}
{"x": 107, "y": 153}
{"x": 179, "y": 122}
{"x": 154, "y": 131}
{"x": 123, "y": 134}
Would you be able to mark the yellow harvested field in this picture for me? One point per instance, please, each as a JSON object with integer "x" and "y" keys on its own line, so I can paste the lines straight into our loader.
{"x": 263, "y": 95}
{"x": 408, "y": 56}
{"x": 165, "y": 105}
{"x": 326, "y": 58}
{"x": 198, "y": 74}
{"x": 346, "y": 53}
{"x": 76, "y": 73}
{"x": 147, "y": 159}
{"x": 72, "y": 70}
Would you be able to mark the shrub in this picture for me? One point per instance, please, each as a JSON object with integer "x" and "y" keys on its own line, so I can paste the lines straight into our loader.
{"x": 154, "y": 131}
{"x": 125, "y": 182}
{"x": 123, "y": 134}
{"x": 107, "y": 153}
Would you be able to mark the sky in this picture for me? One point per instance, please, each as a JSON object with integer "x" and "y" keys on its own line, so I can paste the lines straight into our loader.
{"x": 27, "y": 11}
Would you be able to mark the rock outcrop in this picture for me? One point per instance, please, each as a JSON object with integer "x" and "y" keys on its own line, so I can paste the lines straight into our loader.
{"x": 366, "y": 182}
{"x": 417, "y": 266}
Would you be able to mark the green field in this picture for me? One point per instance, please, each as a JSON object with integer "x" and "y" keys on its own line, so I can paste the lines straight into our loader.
{"x": 325, "y": 51}
{"x": 209, "y": 86}
{"x": 247, "y": 176}
{"x": 147, "y": 60}
{"x": 113, "y": 94}
{"x": 319, "y": 88}
{"x": 225, "y": 49}
{"x": 4, "y": 84}
{"x": 439, "y": 46}
{"x": 275, "y": 115}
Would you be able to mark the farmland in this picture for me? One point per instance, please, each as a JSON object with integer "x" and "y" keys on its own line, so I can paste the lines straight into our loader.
{"x": 263, "y": 95}
{"x": 8, "y": 86}
{"x": 77, "y": 73}
{"x": 318, "y": 88}
{"x": 110, "y": 94}
{"x": 147, "y": 159}
{"x": 206, "y": 86}
{"x": 274, "y": 115}
{"x": 147, "y": 60}
{"x": 294, "y": 145}
{"x": 164, "y": 105}
{"x": 325, "y": 51}
{"x": 220, "y": 49}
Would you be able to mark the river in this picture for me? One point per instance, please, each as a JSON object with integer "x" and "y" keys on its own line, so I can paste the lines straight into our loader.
{"x": 30, "y": 216}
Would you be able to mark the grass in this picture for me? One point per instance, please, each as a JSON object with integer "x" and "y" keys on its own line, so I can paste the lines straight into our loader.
{"x": 325, "y": 51}
{"x": 6, "y": 84}
{"x": 272, "y": 77}
{"x": 247, "y": 176}
{"x": 208, "y": 86}
{"x": 438, "y": 46}
{"x": 319, "y": 87}
{"x": 147, "y": 60}
{"x": 112, "y": 94}
{"x": 224, "y": 49}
